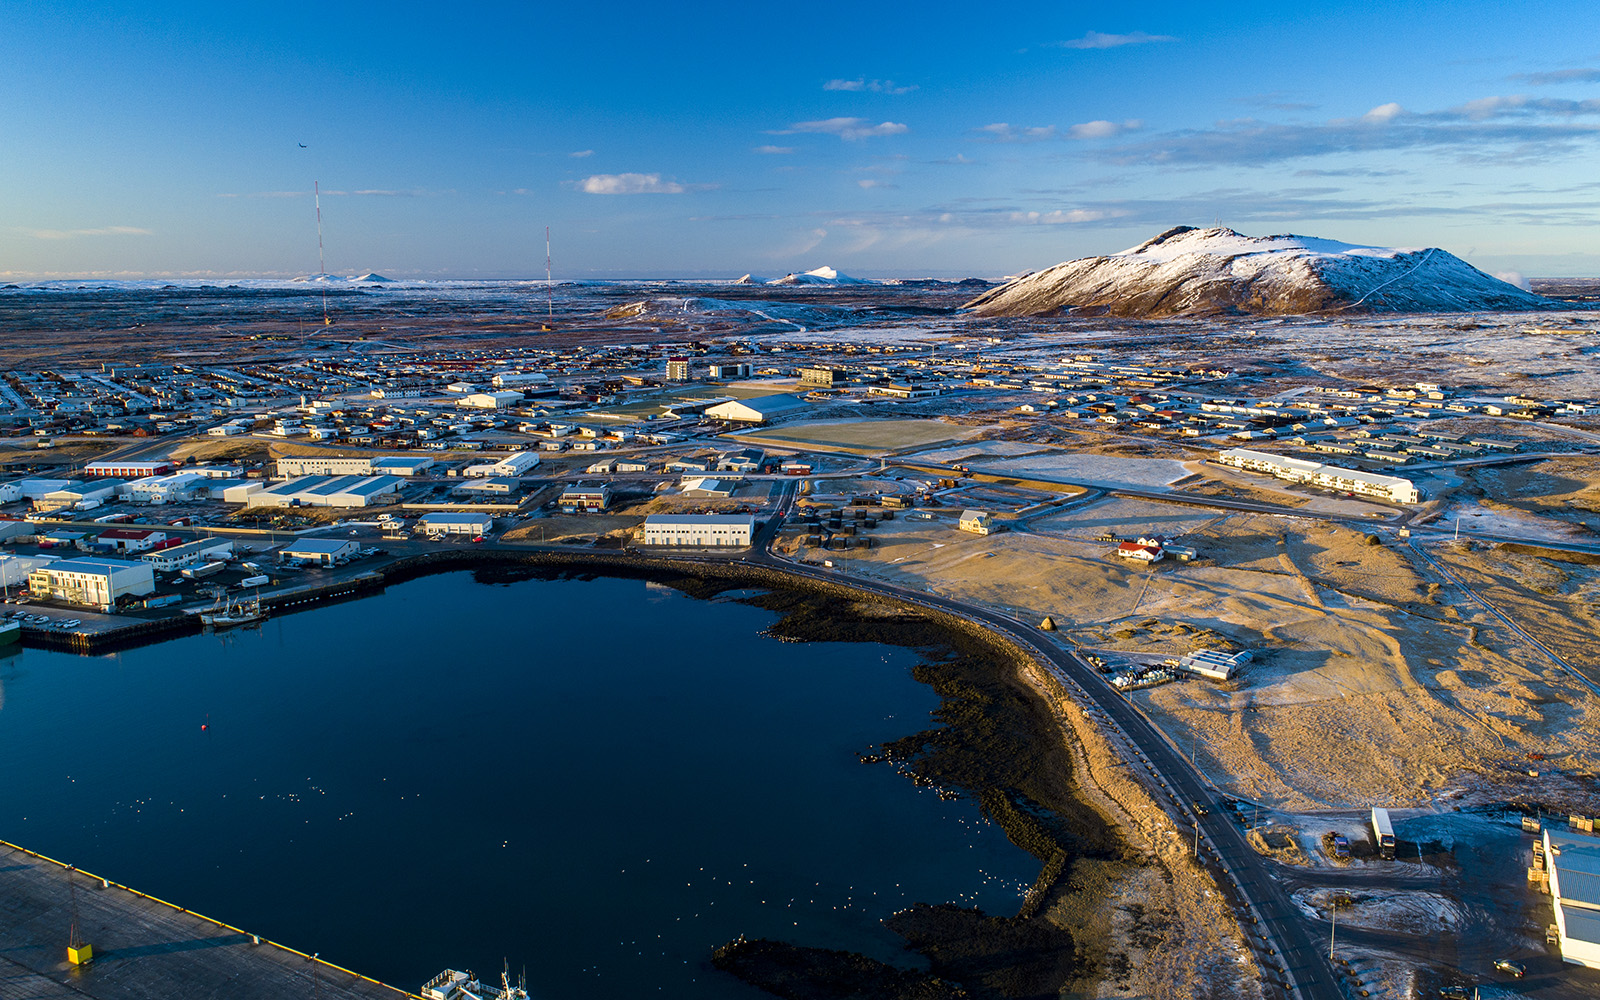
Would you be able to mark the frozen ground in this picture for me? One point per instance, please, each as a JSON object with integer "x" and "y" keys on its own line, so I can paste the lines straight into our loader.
{"x": 1013, "y": 458}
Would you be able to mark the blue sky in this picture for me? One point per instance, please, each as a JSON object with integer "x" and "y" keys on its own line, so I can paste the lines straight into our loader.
{"x": 163, "y": 139}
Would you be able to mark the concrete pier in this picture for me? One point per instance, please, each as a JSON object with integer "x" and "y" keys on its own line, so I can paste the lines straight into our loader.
{"x": 143, "y": 947}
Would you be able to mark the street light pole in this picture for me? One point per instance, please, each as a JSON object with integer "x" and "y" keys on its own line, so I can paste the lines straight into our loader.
{"x": 1334, "y": 905}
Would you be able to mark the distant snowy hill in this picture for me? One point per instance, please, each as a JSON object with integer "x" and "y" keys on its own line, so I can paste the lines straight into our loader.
{"x": 364, "y": 279}
{"x": 821, "y": 276}
{"x": 1204, "y": 272}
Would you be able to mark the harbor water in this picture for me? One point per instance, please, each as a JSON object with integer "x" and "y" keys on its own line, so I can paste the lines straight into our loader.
{"x": 597, "y": 780}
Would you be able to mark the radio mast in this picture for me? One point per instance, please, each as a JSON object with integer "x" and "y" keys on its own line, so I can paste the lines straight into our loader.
{"x": 549, "y": 294}
{"x": 322, "y": 264}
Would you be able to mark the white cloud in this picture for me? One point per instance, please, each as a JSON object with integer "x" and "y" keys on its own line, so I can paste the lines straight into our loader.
{"x": 875, "y": 86}
{"x": 845, "y": 128}
{"x": 1100, "y": 40}
{"x": 868, "y": 183}
{"x": 1384, "y": 113}
{"x": 773, "y": 150}
{"x": 629, "y": 184}
{"x": 1004, "y": 132}
{"x": 69, "y": 234}
{"x": 1076, "y": 216}
{"x": 580, "y": 154}
{"x": 1102, "y": 129}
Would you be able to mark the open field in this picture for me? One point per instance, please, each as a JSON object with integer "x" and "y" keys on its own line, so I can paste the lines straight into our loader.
{"x": 1372, "y": 684}
{"x": 1112, "y": 471}
{"x": 859, "y": 437}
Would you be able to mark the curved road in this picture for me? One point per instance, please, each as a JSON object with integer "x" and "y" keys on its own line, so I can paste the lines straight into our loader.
{"x": 1266, "y": 913}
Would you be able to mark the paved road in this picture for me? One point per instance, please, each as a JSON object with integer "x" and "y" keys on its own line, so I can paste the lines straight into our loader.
{"x": 1265, "y": 908}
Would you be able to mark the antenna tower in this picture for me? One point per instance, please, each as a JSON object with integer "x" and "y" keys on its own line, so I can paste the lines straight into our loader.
{"x": 322, "y": 264}
{"x": 549, "y": 295}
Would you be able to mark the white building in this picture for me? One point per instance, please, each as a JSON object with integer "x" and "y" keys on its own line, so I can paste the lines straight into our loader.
{"x": 327, "y": 491}
{"x": 131, "y": 539}
{"x": 325, "y": 551}
{"x": 514, "y": 464}
{"x": 92, "y": 583}
{"x": 1574, "y": 862}
{"x": 700, "y": 530}
{"x": 490, "y": 400}
{"x": 758, "y": 410}
{"x": 976, "y": 521}
{"x": 397, "y": 465}
{"x": 201, "y": 550}
{"x": 445, "y": 523}
{"x": 15, "y": 570}
{"x": 82, "y": 495}
{"x": 323, "y": 465}
{"x": 165, "y": 489}
{"x": 1298, "y": 470}
{"x": 505, "y": 380}
{"x": 1212, "y": 664}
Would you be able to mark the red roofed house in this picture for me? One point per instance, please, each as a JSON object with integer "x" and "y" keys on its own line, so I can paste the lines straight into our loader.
{"x": 132, "y": 539}
{"x": 1140, "y": 553}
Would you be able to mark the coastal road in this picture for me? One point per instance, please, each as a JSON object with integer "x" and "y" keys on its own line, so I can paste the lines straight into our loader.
{"x": 1265, "y": 910}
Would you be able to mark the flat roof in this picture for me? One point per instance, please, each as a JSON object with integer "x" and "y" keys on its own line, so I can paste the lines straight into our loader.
{"x": 699, "y": 520}
{"x": 319, "y": 546}
{"x": 454, "y": 517}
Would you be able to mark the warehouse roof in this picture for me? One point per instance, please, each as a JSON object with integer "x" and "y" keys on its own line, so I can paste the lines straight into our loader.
{"x": 698, "y": 520}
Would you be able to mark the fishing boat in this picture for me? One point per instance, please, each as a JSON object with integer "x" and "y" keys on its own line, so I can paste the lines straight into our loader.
{"x": 235, "y": 612}
{"x": 452, "y": 984}
{"x": 10, "y": 633}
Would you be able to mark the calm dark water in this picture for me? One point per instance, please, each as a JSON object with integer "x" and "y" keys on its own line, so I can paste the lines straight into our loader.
{"x": 599, "y": 780}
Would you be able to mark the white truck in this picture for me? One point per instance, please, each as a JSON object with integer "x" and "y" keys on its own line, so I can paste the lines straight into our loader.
{"x": 1383, "y": 833}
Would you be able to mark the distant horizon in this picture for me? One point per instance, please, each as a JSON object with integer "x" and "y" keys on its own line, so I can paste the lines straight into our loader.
{"x": 178, "y": 138}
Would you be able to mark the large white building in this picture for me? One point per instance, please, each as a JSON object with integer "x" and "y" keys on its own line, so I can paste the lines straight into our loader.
{"x": 490, "y": 400}
{"x": 92, "y": 583}
{"x": 759, "y": 409}
{"x": 1574, "y": 863}
{"x": 201, "y": 550}
{"x": 700, "y": 530}
{"x": 327, "y": 491}
{"x": 324, "y": 551}
{"x": 445, "y": 523}
{"x": 323, "y": 465}
{"x": 1298, "y": 470}
{"x": 514, "y": 464}
{"x": 165, "y": 489}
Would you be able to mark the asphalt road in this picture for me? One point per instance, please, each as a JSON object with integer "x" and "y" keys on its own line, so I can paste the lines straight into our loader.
{"x": 1264, "y": 907}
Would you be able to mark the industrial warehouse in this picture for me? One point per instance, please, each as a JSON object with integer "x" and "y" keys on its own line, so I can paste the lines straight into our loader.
{"x": 94, "y": 583}
{"x": 326, "y": 491}
{"x": 700, "y": 530}
{"x": 1574, "y": 865}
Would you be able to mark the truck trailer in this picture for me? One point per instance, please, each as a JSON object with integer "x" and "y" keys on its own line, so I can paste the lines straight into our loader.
{"x": 1383, "y": 833}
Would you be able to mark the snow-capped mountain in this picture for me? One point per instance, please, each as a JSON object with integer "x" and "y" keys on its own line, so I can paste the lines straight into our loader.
{"x": 821, "y": 276}
{"x": 1199, "y": 272}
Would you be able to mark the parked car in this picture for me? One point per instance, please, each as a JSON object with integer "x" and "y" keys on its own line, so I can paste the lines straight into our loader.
{"x": 1511, "y": 968}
